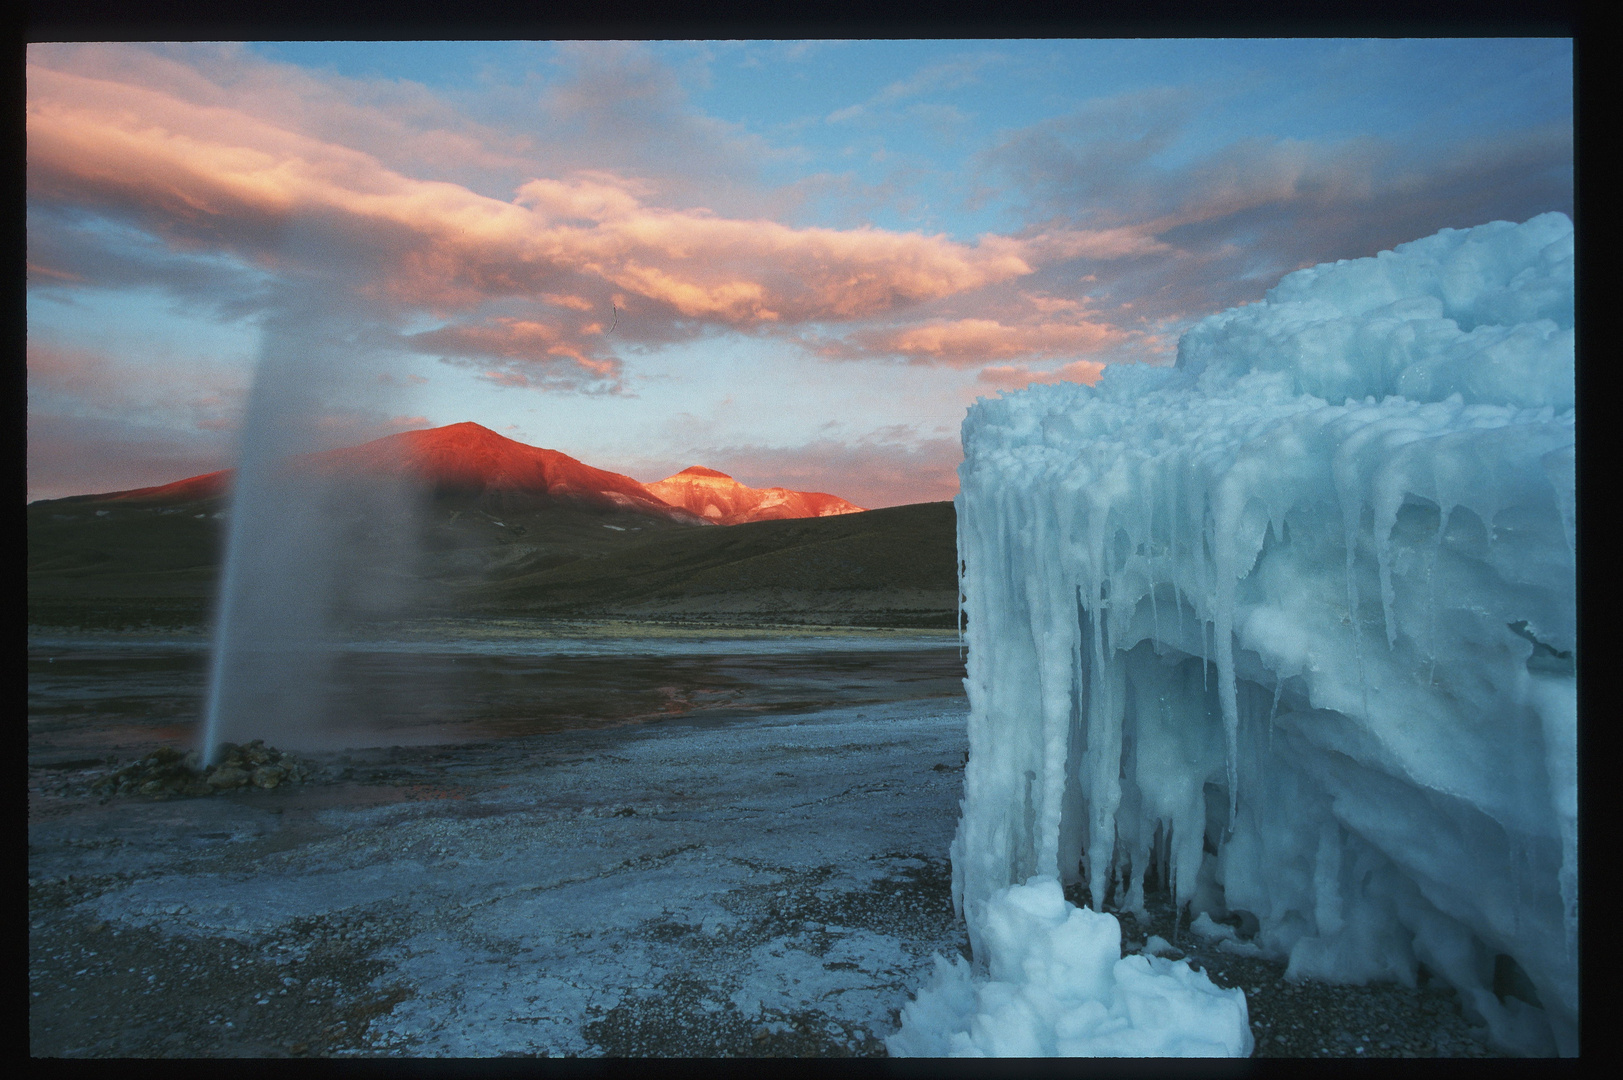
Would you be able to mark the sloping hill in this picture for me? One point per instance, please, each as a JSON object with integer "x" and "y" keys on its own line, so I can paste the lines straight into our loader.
{"x": 465, "y": 459}
{"x": 886, "y": 567}
{"x": 105, "y": 562}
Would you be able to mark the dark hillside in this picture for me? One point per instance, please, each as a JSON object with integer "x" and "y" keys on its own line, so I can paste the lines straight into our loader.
{"x": 890, "y": 566}
{"x": 97, "y": 562}
{"x": 105, "y": 564}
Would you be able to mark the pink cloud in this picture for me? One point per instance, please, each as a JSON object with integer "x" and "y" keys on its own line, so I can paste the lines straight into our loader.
{"x": 1063, "y": 245}
{"x": 207, "y": 172}
{"x": 574, "y": 303}
{"x": 57, "y": 275}
{"x": 1013, "y": 377}
{"x": 506, "y": 378}
{"x": 396, "y": 121}
{"x": 188, "y": 394}
{"x": 82, "y": 455}
{"x": 970, "y": 342}
{"x": 519, "y": 339}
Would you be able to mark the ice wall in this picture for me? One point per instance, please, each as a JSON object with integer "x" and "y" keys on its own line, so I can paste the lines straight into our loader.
{"x": 1307, "y": 601}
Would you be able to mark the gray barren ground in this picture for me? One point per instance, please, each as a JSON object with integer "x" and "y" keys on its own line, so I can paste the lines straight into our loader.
{"x": 770, "y": 888}
{"x": 773, "y": 887}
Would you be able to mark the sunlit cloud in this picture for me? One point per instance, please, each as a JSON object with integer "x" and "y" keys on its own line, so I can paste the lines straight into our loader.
{"x": 970, "y": 342}
{"x": 70, "y": 454}
{"x": 184, "y": 394}
{"x": 1015, "y": 377}
{"x": 598, "y": 222}
{"x": 210, "y": 175}
{"x": 522, "y": 353}
{"x": 516, "y": 339}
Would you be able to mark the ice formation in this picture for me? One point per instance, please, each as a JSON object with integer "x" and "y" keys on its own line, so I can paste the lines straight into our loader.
{"x": 1291, "y": 625}
{"x": 1059, "y": 985}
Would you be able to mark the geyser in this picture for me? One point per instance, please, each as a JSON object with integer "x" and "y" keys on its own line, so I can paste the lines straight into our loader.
{"x": 305, "y": 545}
{"x": 1295, "y": 620}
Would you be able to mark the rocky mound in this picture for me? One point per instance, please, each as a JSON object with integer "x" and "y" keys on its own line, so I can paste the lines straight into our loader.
{"x": 168, "y": 772}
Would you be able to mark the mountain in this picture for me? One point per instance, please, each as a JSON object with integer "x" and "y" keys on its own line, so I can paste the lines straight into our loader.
{"x": 192, "y": 489}
{"x": 723, "y": 500}
{"x": 511, "y": 530}
{"x": 467, "y": 460}
{"x": 470, "y": 460}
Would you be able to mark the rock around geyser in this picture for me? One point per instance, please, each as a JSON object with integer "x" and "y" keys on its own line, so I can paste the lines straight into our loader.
{"x": 1293, "y": 622}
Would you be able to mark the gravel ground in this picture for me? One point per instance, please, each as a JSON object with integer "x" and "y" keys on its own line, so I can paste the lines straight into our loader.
{"x": 1307, "y": 1018}
{"x": 769, "y": 888}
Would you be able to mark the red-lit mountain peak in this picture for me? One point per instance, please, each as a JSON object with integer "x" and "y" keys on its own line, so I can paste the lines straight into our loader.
{"x": 719, "y": 498}
{"x": 461, "y": 459}
{"x": 193, "y": 488}
{"x": 470, "y": 459}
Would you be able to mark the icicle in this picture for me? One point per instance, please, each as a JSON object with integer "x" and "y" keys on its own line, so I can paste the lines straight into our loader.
{"x": 1172, "y": 551}
{"x": 1273, "y": 710}
{"x": 1560, "y": 469}
{"x": 961, "y": 571}
{"x": 1226, "y": 521}
{"x": 1388, "y": 502}
{"x": 1443, "y": 513}
{"x": 1344, "y": 469}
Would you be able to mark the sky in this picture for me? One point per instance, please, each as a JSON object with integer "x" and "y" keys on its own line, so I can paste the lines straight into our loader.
{"x": 797, "y": 262}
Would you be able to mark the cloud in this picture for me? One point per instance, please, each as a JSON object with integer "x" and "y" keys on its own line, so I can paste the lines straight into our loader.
{"x": 68, "y": 250}
{"x": 398, "y": 122}
{"x": 532, "y": 353}
{"x": 83, "y": 455}
{"x": 943, "y": 76}
{"x": 618, "y": 107}
{"x": 554, "y": 227}
{"x": 1090, "y": 164}
{"x": 1013, "y": 377}
{"x": 1230, "y": 218}
{"x": 216, "y": 178}
{"x": 184, "y": 395}
{"x": 970, "y": 342}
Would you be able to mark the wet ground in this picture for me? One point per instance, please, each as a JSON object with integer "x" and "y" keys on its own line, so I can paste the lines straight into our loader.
{"x": 675, "y": 845}
{"x": 123, "y": 694}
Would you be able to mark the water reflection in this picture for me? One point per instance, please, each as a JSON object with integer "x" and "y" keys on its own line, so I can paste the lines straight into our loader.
{"x": 93, "y": 696}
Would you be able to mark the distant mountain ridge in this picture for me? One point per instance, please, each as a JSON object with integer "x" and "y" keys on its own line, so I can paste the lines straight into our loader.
{"x": 470, "y": 459}
{"x": 719, "y": 498}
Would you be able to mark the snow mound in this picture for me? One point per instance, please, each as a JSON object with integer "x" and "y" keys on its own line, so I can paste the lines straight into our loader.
{"x": 1060, "y": 986}
{"x": 1292, "y": 627}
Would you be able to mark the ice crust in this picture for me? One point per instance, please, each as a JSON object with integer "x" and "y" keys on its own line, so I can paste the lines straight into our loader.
{"x": 1306, "y": 599}
{"x": 1059, "y": 985}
